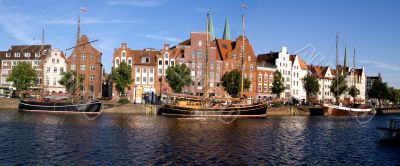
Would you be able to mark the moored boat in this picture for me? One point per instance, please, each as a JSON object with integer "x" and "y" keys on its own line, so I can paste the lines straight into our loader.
{"x": 64, "y": 107}
{"x": 390, "y": 133}
{"x": 335, "y": 110}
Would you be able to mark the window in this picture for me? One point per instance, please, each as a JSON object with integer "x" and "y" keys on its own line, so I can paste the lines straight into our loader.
{"x": 47, "y": 81}
{"x": 233, "y": 56}
{"x": 123, "y": 54}
{"x": 137, "y": 79}
{"x": 200, "y": 43}
{"x": 151, "y": 79}
{"x": 217, "y": 77}
{"x": 92, "y": 78}
{"x": 17, "y": 54}
{"x": 8, "y": 54}
{"x": 91, "y": 56}
{"x": 151, "y": 70}
{"x": 27, "y": 54}
{"x": 92, "y": 67}
{"x": 117, "y": 61}
{"x": 218, "y": 66}
{"x": 129, "y": 61}
{"x": 166, "y": 55}
{"x": 172, "y": 63}
{"x": 48, "y": 69}
{"x": 251, "y": 67}
{"x": 74, "y": 56}
{"x": 265, "y": 77}
{"x": 54, "y": 81}
{"x": 61, "y": 69}
{"x": 83, "y": 67}
{"x": 193, "y": 55}
{"x": 259, "y": 78}
{"x": 53, "y": 60}
{"x": 265, "y": 88}
{"x": 83, "y": 57}
{"x": 14, "y": 63}
{"x": 55, "y": 69}
{"x": 166, "y": 63}
{"x": 144, "y": 70}
{"x": 212, "y": 66}
{"x": 251, "y": 77}
{"x": 259, "y": 88}
{"x": 144, "y": 80}
{"x": 145, "y": 60}
{"x": 58, "y": 61}
{"x": 199, "y": 54}
{"x": 73, "y": 67}
{"x": 159, "y": 71}
{"x": 37, "y": 54}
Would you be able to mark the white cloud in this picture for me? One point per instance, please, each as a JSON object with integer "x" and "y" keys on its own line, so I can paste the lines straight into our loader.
{"x": 137, "y": 3}
{"x": 166, "y": 38}
{"x": 382, "y": 65}
{"x": 92, "y": 21}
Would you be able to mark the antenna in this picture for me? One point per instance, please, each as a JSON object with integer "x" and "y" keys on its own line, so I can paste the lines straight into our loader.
{"x": 43, "y": 37}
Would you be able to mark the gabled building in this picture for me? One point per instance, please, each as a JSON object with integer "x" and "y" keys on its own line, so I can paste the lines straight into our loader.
{"x": 299, "y": 71}
{"x": 143, "y": 65}
{"x": 54, "y": 65}
{"x": 85, "y": 60}
{"x": 325, "y": 75}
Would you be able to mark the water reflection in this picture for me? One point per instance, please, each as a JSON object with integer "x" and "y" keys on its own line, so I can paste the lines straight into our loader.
{"x": 122, "y": 139}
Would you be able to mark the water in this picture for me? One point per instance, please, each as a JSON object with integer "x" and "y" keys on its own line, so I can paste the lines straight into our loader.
{"x": 121, "y": 139}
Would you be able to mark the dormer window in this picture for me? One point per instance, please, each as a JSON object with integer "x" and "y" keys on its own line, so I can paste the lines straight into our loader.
{"x": 37, "y": 54}
{"x": 17, "y": 54}
{"x": 8, "y": 54}
{"x": 145, "y": 60}
{"x": 234, "y": 56}
{"x": 27, "y": 54}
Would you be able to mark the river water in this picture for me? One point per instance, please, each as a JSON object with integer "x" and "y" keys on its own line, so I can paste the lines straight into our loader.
{"x": 122, "y": 139}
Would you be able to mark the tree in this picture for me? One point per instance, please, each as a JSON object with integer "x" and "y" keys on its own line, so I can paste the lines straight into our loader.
{"x": 278, "y": 85}
{"x": 178, "y": 76}
{"x": 379, "y": 90}
{"x": 23, "y": 76}
{"x": 396, "y": 96}
{"x": 310, "y": 85}
{"x": 232, "y": 81}
{"x": 68, "y": 80}
{"x": 338, "y": 87}
{"x": 122, "y": 77}
{"x": 354, "y": 92}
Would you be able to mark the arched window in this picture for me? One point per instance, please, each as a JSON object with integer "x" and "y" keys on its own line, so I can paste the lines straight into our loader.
{"x": 166, "y": 55}
{"x": 130, "y": 61}
{"x": 116, "y": 61}
{"x": 123, "y": 54}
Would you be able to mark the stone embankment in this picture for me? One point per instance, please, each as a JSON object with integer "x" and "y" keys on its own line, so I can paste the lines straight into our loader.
{"x": 286, "y": 111}
{"x": 9, "y": 103}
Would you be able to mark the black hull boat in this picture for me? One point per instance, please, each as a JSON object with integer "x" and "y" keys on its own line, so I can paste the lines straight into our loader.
{"x": 256, "y": 110}
{"x": 93, "y": 107}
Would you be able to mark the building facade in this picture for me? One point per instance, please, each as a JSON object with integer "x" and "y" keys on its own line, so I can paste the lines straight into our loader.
{"x": 54, "y": 65}
{"x": 85, "y": 60}
{"x": 370, "y": 81}
{"x": 32, "y": 54}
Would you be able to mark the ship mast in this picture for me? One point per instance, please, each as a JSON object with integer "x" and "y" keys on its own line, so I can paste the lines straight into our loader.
{"x": 77, "y": 67}
{"x": 206, "y": 56}
{"x": 244, "y": 6}
{"x": 337, "y": 66}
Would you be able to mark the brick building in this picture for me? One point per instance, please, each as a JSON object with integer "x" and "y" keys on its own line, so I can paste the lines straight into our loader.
{"x": 88, "y": 64}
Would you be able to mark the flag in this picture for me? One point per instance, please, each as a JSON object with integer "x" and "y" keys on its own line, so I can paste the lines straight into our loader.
{"x": 83, "y": 9}
{"x": 244, "y": 6}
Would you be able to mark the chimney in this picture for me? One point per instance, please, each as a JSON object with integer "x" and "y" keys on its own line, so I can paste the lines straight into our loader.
{"x": 123, "y": 45}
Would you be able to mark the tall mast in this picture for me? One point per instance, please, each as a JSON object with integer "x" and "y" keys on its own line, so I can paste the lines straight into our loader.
{"x": 354, "y": 67}
{"x": 244, "y": 6}
{"x": 206, "y": 56}
{"x": 354, "y": 58}
{"x": 77, "y": 66}
{"x": 337, "y": 61}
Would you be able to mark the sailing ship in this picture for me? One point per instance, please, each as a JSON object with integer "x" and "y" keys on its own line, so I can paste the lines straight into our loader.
{"x": 65, "y": 104}
{"x": 179, "y": 105}
{"x": 337, "y": 110}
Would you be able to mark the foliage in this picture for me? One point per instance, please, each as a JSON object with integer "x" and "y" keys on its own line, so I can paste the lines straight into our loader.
{"x": 23, "y": 76}
{"x": 123, "y": 101}
{"x": 338, "y": 87}
{"x": 122, "y": 77}
{"x": 354, "y": 92}
{"x": 232, "y": 81}
{"x": 278, "y": 85}
{"x": 68, "y": 80}
{"x": 396, "y": 96}
{"x": 178, "y": 76}
{"x": 277, "y": 104}
{"x": 310, "y": 85}
{"x": 379, "y": 90}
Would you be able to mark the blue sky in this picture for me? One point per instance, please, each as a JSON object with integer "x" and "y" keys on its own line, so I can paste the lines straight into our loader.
{"x": 307, "y": 27}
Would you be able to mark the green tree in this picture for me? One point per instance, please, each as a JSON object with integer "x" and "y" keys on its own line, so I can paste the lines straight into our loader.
{"x": 23, "y": 76}
{"x": 379, "y": 90}
{"x": 68, "y": 80}
{"x": 338, "y": 87}
{"x": 122, "y": 77}
{"x": 232, "y": 81}
{"x": 354, "y": 92}
{"x": 310, "y": 85}
{"x": 178, "y": 76}
{"x": 396, "y": 96}
{"x": 278, "y": 85}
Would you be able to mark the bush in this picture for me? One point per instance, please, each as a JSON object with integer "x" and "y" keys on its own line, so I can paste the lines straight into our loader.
{"x": 280, "y": 104}
{"x": 123, "y": 101}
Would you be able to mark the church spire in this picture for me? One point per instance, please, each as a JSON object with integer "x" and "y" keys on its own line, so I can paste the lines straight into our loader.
{"x": 211, "y": 29}
{"x": 227, "y": 32}
{"x": 345, "y": 57}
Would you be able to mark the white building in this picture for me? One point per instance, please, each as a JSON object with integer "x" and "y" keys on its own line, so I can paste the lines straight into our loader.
{"x": 325, "y": 76}
{"x": 298, "y": 70}
{"x": 54, "y": 65}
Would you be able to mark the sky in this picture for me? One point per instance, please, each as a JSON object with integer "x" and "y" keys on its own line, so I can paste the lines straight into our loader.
{"x": 307, "y": 27}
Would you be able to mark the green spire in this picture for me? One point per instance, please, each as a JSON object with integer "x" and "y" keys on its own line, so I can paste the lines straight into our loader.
{"x": 345, "y": 57}
{"x": 211, "y": 29}
{"x": 227, "y": 32}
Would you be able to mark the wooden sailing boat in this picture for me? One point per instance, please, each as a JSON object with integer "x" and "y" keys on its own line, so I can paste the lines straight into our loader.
{"x": 195, "y": 106}
{"x": 337, "y": 110}
{"x": 62, "y": 104}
